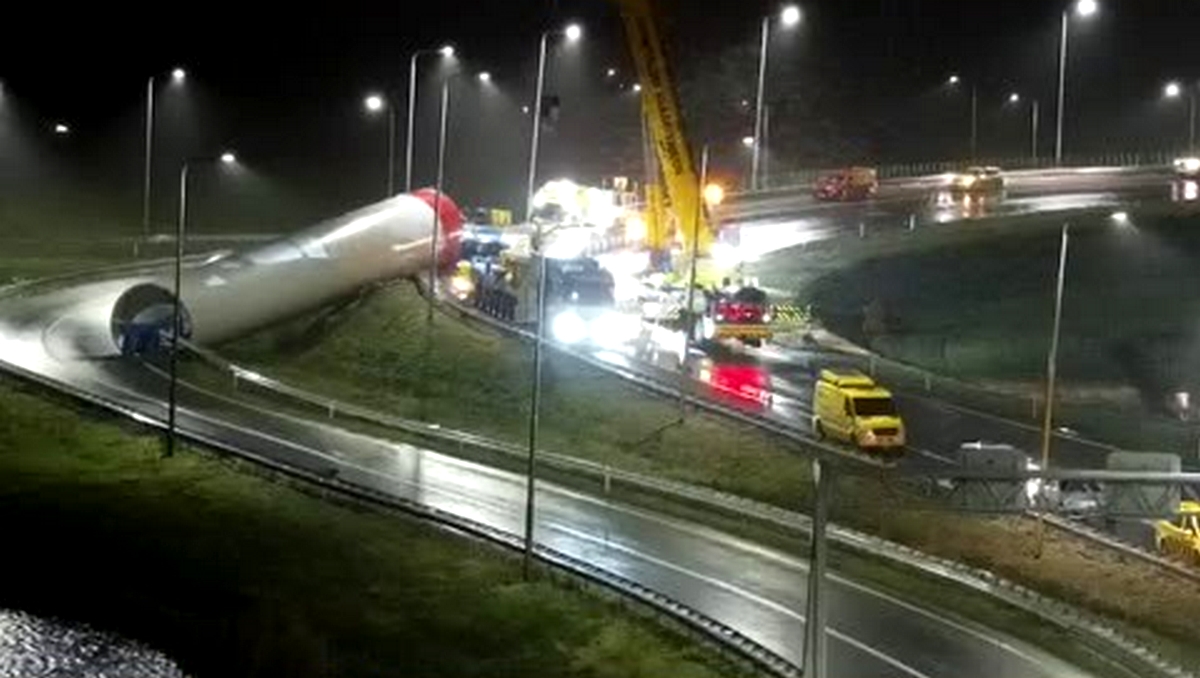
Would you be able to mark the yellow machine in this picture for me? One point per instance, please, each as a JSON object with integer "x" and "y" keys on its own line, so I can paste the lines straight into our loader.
{"x": 1181, "y": 538}
{"x": 850, "y": 406}
{"x": 664, "y": 123}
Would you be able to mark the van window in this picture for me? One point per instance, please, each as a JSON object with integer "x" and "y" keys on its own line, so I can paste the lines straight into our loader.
{"x": 874, "y": 407}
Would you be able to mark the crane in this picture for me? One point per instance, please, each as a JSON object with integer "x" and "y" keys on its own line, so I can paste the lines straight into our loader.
{"x": 680, "y": 202}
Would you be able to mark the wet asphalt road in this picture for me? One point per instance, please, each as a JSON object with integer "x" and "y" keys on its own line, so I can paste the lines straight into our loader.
{"x": 63, "y": 335}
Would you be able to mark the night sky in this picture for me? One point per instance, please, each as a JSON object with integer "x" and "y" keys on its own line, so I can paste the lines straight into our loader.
{"x": 859, "y": 81}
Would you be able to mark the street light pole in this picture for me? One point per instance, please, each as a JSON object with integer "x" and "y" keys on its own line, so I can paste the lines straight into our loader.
{"x": 412, "y": 112}
{"x": 149, "y": 150}
{"x": 1062, "y": 87}
{"x": 391, "y": 148}
{"x": 446, "y": 51}
{"x": 1052, "y": 359}
{"x": 176, "y": 311}
{"x": 177, "y": 303}
{"x": 691, "y": 291}
{"x": 1192, "y": 120}
{"x": 443, "y": 113}
{"x": 758, "y": 105}
{"x": 572, "y": 33}
{"x": 1034, "y": 121}
{"x": 535, "y": 137}
{"x": 974, "y": 120}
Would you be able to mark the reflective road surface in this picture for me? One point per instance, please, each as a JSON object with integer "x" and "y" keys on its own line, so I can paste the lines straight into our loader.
{"x": 759, "y": 591}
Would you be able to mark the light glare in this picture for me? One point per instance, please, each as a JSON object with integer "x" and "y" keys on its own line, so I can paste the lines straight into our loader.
{"x": 373, "y": 103}
{"x": 1173, "y": 90}
{"x": 178, "y": 75}
{"x": 485, "y": 77}
{"x": 747, "y": 141}
{"x": 954, "y": 80}
{"x": 790, "y": 15}
{"x": 60, "y": 128}
{"x": 574, "y": 32}
{"x": 1014, "y": 98}
{"x": 228, "y": 157}
{"x": 714, "y": 194}
{"x": 447, "y": 51}
{"x": 1087, "y": 7}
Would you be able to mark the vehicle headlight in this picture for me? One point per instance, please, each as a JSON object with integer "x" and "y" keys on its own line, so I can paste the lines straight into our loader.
{"x": 1188, "y": 164}
{"x": 967, "y": 182}
{"x": 767, "y": 317}
{"x": 613, "y": 329}
{"x": 568, "y": 328}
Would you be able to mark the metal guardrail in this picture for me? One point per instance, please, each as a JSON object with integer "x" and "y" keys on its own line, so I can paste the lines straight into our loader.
{"x": 803, "y": 178}
{"x": 979, "y": 580}
{"x": 728, "y": 638}
{"x": 673, "y": 391}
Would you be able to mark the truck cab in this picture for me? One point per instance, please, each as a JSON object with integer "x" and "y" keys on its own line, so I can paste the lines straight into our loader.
{"x": 743, "y": 314}
{"x": 850, "y": 406}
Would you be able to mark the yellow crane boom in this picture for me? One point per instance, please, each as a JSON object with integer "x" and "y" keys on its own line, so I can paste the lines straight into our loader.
{"x": 660, "y": 110}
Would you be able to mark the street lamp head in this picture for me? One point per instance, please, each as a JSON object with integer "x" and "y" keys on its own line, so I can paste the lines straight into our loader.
{"x": 1173, "y": 90}
{"x": 790, "y": 16}
{"x": 573, "y": 32}
{"x": 637, "y": 88}
{"x": 610, "y": 73}
{"x": 953, "y": 80}
{"x": 228, "y": 158}
{"x": 1120, "y": 218}
{"x": 485, "y": 77}
{"x": 1086, "y": 8}
{"x": 60, "y": 128}
{"x": 178, "y": 75}
{"x": 447, "y": 51}
{"x": 1014, "y": 98}
{"x": 747, "y": 141}
{"x": 373, "y": 103}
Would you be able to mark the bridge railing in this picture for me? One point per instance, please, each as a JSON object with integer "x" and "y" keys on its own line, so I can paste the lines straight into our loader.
{"x": 803, "y": 178}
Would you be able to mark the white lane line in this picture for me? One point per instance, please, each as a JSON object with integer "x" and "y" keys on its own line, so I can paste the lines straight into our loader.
{"x": 933, "y": 455}
{"x": 742, "y": 593}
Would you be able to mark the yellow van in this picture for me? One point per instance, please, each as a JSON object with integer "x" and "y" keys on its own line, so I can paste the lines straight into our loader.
{"x": 850, "y": 406}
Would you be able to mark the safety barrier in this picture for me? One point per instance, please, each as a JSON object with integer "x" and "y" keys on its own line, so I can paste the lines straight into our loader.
{"x": 979, "y": 580}
{"x": 802, "y": 179}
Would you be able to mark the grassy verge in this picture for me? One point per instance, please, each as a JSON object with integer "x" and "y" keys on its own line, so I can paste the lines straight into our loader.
{"x": 972, "y": 302}
{"x": 233, "y": 575}
{"x": 375, "y": 355}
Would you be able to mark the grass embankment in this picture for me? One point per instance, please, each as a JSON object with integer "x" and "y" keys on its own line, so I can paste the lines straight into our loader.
{"x": 973, "y": 302}
{"x": 375, "y": 355}
{"x": 230, "y": 574}
{"x": 379, "y": 355}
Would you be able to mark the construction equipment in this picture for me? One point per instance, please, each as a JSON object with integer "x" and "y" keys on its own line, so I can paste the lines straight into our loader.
{"x": 741, "y": 314}
{"x": 1180, "y": 538}
{"x": 664, "y": 124}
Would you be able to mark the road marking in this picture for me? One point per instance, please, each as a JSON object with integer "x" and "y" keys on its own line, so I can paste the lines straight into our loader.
{"x": 933, "y": 455}
{"x": 743, "y": 593}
